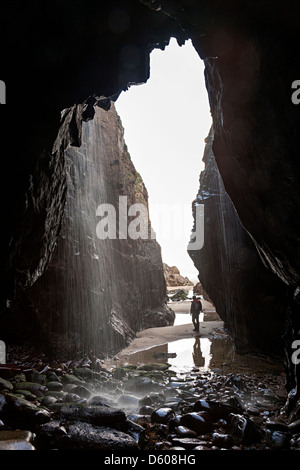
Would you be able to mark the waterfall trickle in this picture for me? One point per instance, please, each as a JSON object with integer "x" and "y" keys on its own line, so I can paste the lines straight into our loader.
{"x": 97, "y": 292}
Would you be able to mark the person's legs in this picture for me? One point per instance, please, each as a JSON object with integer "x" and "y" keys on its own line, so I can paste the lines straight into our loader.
{"x": 195, "y": 319}
{"x": 196, "y": 322}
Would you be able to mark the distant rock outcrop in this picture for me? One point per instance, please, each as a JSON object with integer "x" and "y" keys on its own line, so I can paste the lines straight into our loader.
{"x": 198, "y": 290}
{"x": 174, "y": 278}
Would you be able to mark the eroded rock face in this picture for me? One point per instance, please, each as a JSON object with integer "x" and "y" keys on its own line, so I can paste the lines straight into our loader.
{"x": 250, "y": 299}
{"x": 256, "y": 141}
{"x": 72, "y": 54}
{"x": 174, "y": 278}
{"x": 97, "y": 292}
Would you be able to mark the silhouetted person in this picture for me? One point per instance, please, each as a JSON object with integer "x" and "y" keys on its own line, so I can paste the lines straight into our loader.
{"x": 196, "y": 308}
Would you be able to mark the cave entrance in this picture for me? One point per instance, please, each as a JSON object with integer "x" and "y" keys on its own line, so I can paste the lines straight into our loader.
{"x": 166, "y": 121}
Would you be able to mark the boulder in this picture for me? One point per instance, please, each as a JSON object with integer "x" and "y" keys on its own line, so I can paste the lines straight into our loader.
{"x": 83, "y": 436}
{"x": 94, "y": 414}
{"x": 20, "y": 413}
{"x": 244, "y": 430}
{"x": 162, "y": 415}
{"x": 216, "y": 409}
{"x": 198, "y": 422}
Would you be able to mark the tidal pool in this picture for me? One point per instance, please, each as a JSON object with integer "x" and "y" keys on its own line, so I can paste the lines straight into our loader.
{"x": 205, "y": 354}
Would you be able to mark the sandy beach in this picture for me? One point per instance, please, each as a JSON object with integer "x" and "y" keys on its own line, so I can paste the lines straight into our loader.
{"x": 151, "y": 337}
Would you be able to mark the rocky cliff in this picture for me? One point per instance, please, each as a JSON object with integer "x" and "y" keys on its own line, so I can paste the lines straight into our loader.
{"x": 174, "y": 278}
{"x": 250, "y": 299}
{"x": 97, "y": 292}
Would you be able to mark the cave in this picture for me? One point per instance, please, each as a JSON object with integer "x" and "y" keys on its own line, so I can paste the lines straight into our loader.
{"x": 64, "y": 65}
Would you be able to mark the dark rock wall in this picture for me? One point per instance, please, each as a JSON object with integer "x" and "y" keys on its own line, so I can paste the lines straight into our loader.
{"x": 95, "y": 294}
{"x": 250, "y": 299}
{"x": 250, "y": 67}
{"x": 256, "y": 144}
{"x": 55, "y": 55}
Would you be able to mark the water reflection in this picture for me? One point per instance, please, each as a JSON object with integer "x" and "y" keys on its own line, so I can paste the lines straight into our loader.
{"x": 182, "y": 355}
{"x": 205, "y": 354}
{"x": 215, "y": 353}
{"x": 190, "y": 352}
{"x": 198, "y": 359}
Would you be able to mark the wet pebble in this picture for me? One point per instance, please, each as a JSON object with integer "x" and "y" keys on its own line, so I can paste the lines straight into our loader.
{"x": 48, "y": 400}
{"x": 244, "y": 429}
{"x": 16, "y": 440}
{"x": 152, "y": 399}
{"x": 71, "y": 379}
{"x": 26, "y": 394}
{"x": 72, "y": 398}
{"x": 202, "y": 447}
{"x": 162, "y": 415}
{"x": 216, "y": 409}
{"x": 5, "y": 384}
{"x": 146, "y": 410}
{"x": 138, "y": 418}
{"x": 59, "y": 395}
{"x": 183, "y": 431}
{"x": 55, "y": 386}
{"x": 51, "y": 376}
{"x": 102, "y": 401}
{"x": 295, "y": 441}
{"x": 188, "y": 443}
{"x": 82, "y": 391}
{"x": 19, "y": 413}
{"x": 16, "y": 445}
{"x": 197, "y": 422}
{"x": 128, "y": 401}
{"x": 35, "y": 388}
{"x": 221, "y": 423}
{"x": 277, "y": 425}
{"x": 294, "y": 427}
{"x": 278, "y": 439}
{"x": 222, "y": 440}
{"x": 85, "y": 373}
{"x": 253, "y": 410}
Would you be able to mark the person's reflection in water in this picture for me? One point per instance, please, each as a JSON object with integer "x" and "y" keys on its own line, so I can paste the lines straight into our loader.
{"x": 197, "y": 354}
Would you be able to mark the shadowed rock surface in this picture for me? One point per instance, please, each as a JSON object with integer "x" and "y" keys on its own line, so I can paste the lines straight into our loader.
{"x": 97, "y": 292}
{"x": 232, "y": 272}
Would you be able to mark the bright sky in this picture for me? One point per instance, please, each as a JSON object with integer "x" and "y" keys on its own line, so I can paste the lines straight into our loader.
{"x": 166, "y": 121}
